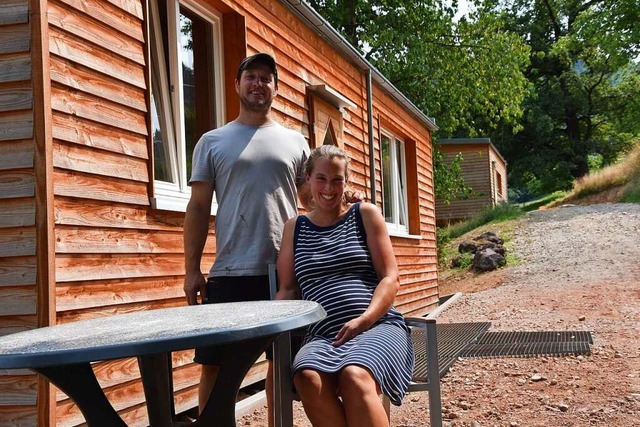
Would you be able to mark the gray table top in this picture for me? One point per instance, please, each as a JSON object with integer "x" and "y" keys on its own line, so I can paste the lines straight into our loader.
{"x": 154, "y": 331}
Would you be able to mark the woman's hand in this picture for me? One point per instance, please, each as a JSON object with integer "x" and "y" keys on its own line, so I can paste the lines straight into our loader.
{"x": 350, "y": 330}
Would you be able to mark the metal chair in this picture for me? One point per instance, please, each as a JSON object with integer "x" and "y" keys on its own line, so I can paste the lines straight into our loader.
{"x": 426, "y": 375}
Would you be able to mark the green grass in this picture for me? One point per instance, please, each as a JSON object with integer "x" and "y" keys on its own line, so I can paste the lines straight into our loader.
{"x": 632, "y": 192}
{"x": 625, "y": 173}
{"x": 542, "y": 201}
{"x": 500, "y": 213}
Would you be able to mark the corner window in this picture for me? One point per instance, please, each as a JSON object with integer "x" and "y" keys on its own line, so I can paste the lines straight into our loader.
{"x": 394, "y": 182}
{"x": 186, "y": 91}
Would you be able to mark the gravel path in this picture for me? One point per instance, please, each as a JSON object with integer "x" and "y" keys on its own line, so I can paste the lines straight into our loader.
{"x": 579, "y": 270}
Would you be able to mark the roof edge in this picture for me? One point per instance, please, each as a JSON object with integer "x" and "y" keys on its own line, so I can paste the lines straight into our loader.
{"x": 469, "y": 141}
{"x": 323, "y": 28}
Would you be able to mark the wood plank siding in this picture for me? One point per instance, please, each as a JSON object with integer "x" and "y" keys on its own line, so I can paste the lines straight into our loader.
{"x": 483, "y": 169}
{"x": 18, "y": 291}
{"x": 80, "y": 236}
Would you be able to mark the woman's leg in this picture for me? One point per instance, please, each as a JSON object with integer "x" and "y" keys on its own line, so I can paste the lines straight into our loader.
{"x": 362, "y": 404}
{"x": 317, "y": 390}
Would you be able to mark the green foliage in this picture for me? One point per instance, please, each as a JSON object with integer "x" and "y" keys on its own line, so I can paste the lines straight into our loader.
{"x": 595, "y": 162}
{"x": 449, "y": 184}
{"x": 464, "y": 261}
{"x": 499, "y": 213}
{"x": 553, "y": 83}
{"x": 469, "y": 74}
{"x": 586, "y": 97}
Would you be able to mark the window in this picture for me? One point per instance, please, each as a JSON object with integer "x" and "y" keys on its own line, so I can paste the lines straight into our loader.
{"x": 326, "y": 107}
{"x": 394, "y": 183}
{"x": 186, "y": 91}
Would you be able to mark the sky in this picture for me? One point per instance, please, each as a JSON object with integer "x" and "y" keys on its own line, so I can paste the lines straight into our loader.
{"x": 464, "y": 8}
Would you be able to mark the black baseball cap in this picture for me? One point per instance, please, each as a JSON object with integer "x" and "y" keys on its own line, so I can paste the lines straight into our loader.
{"x": 262, "y": 58}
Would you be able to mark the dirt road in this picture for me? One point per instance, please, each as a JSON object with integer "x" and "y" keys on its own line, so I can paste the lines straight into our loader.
{"x": 579, "y": 270}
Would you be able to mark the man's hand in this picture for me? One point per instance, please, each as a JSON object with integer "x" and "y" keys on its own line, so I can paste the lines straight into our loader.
{"x": 352, "y": 196}
{"x": 194, "y": 283}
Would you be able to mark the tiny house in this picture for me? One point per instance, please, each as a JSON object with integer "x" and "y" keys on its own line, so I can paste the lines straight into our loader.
{"x": 101, "y": 104}
{"x": 483, "y": 169}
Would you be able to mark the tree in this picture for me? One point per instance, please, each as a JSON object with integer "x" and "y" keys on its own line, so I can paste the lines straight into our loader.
{"x": 467, "y": 74}
{"x": 585, "y": 97}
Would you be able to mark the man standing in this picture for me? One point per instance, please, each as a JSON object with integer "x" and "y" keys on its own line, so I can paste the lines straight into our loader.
{"x": 255, "y": 167}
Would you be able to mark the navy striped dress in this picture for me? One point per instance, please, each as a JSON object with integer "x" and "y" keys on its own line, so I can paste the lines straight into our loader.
{"x": 333, "y": 267}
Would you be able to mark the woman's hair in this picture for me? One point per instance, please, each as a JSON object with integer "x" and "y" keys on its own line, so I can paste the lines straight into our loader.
{"x": 328, "y": 152}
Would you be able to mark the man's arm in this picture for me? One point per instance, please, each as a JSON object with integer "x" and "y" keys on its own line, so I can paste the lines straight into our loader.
{"x": 196, "y": 229}
{"x": 304, "y": 196}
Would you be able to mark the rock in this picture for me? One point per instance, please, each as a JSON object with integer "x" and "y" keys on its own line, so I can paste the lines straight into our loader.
{"x": 563, "y": 407}
{"x": 488, "y": 260}
{"x": 582, "y": 318}
{"x": 464, "y": 405}
{"x": 536, "y": 378}
{"x": 494, "y": 246}
{"x": 467, "y": 246}
{"x": 453, "y": 415}
{"x": 491, "y": 237}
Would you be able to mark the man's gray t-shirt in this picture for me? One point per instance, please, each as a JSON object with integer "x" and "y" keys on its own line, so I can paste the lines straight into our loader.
{"x": 254, "y": 171}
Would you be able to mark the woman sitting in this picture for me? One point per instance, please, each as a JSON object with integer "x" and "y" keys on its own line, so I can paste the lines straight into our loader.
{"x": 340, "y": 256}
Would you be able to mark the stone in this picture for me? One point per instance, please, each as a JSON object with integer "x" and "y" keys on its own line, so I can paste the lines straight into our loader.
{"x": 467, "y": 246}
{"x": 491, "y": 237}
{"x": 488, "y": 260}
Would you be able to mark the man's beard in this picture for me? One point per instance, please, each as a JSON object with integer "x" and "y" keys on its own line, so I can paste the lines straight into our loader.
{"x": 260, "y": 106}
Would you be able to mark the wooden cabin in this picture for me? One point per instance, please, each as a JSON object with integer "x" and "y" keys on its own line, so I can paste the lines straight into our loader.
{"x": 483, "y": 169}
{"x": 101, "y": 103}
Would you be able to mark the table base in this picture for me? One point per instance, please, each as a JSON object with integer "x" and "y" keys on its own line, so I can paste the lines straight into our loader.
{"x": 79, "y": 382}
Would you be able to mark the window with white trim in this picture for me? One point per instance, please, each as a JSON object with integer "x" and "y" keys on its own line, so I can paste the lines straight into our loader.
{"x": 186, "y": 91}
{"x": 394, "y": 182}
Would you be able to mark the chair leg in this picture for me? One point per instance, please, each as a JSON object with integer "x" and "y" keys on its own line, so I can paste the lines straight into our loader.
{"x": 433, "y": 375}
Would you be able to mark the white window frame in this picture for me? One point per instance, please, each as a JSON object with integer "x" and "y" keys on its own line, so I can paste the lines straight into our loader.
{"x": 174, "y": 196}
{"x": 399, "y": 200}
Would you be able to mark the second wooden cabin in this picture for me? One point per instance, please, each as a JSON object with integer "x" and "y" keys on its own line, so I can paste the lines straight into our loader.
{"x": 101, "y": 103}
{"x": 483, "y": 169}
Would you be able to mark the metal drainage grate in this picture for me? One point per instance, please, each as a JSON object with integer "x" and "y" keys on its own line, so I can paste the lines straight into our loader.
{"x": 472, "y": 340}
{"x": 526, "y": 349}
{"x": 538, "y": 336}
{"x": 548, "y": 343}
{"x": 452, "y": 339}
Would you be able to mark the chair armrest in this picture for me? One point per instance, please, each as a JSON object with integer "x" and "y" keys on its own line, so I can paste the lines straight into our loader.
{"x": 425, "y": 348}
{"x": 419, "y": 321}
